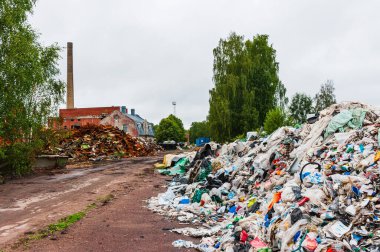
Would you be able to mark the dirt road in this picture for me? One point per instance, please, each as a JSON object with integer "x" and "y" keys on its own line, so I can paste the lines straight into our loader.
{"x": 124, "y": 224}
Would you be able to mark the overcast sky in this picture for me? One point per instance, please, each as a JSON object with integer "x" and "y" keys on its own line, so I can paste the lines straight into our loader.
{"x": 147, "y": 53}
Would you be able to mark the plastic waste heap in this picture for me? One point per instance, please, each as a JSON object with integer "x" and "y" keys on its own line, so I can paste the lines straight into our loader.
{"x": 315, "y": 188}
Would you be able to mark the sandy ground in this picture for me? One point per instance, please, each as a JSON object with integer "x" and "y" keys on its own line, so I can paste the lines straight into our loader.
{"x": 124, "y": 224}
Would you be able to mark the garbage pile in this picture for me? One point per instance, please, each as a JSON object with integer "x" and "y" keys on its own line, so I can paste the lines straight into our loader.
{"x": 315, "y": 188}
{"x": 175, "y": 164}
{"x": 99, "y": 142}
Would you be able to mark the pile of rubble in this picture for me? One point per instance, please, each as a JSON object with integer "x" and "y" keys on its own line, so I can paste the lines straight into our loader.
{"x": 99, "y": 142}
{"x": 315, "y": 188}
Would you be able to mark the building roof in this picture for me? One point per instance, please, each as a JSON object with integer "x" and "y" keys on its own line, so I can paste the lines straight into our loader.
{"x": 96, "y": 111}
{"x": 140, "y": 125}
{"x": 136, "y": 118}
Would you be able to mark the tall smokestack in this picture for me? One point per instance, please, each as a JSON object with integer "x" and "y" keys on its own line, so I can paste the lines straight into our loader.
{"x": 70, "y": 76}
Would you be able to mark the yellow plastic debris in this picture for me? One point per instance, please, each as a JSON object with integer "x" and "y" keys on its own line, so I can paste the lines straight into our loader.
{"x": 159, "y": 166}
{"x": 251, "y": 202}
{"x": 377, "y": 156}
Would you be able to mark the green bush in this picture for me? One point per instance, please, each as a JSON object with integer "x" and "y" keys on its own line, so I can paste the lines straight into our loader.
{"x": 16, "y": 159}
{"x": 240, "y": 137}
{"x": 274, "y": 119}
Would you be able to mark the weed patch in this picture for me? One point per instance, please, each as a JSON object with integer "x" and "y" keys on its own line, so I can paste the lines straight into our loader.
{"x": 53, "y": 229}
{"x": 106, "y": 199}
{"x": 61, "y": 225}
{"x": 66, "y": 222}
{"x": 90, "y": 207}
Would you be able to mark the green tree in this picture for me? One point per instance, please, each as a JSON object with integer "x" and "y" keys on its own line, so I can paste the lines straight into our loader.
{"x": 29, "y": 88}
{"x": 198, "y": 129}
{"x": 274, "y": 119}
{"x": 246, "y": 86}
{"x": 325, "y": 97}
{"x": 155, "y": 127}
{"x": 300, "y": 106}
{"x": 170, "y": 128}
{"x": 281, "y": 99}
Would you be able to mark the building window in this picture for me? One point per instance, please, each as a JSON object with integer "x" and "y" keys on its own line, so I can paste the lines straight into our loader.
{"x": 125, "y": 128}
{"x": 72, "y": 120}
{"x": 65, "y": 127}
{"x": 78, "y": 120}
{"x": 116, "y": 117}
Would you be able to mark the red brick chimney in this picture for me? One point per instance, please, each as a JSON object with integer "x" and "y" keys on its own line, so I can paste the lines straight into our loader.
{"x": 70, "y": 77}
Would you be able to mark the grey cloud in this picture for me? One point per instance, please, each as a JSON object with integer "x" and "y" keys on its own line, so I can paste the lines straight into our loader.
{"x": 145, "y": 54}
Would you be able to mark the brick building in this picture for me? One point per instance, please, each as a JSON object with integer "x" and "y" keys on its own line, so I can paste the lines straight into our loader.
{"x": 144, "y": 128}
{"x": 121, "y": 121}
{"x": 117, "y": 116}
{"x": 77, "y": 117}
